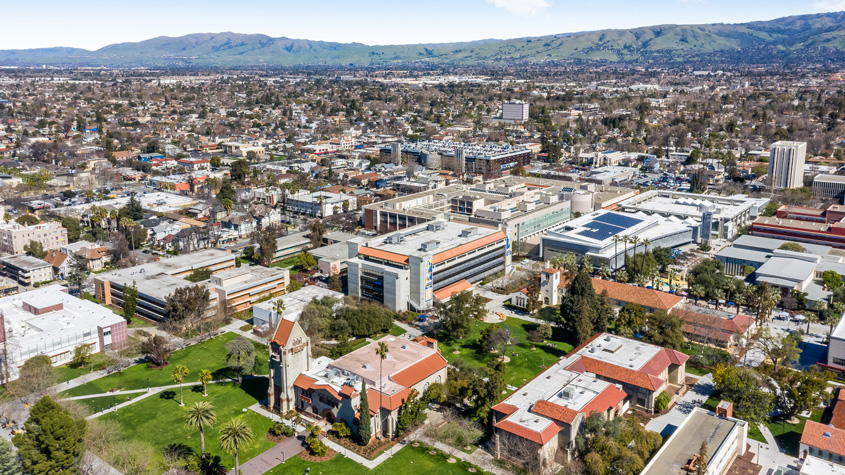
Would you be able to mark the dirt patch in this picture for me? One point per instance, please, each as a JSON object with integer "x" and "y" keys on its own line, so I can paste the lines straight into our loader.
{"x": 276, "y": 439}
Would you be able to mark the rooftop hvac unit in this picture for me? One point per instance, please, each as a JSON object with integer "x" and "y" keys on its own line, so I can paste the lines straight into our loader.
{"x": 566, "y": 393}
{"x": 469, "y": 232}
{"x": 430, "y": 246}
{"x": 435, "y": 226}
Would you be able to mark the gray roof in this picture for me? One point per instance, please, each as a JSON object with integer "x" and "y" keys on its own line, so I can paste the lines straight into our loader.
{"x": 793, "y": 270}
{"x": 743, "y": 254}
{"x": 748, "y": 241}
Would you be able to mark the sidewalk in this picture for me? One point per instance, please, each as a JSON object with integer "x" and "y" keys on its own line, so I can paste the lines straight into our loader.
{"x": 667, "y": 423}
{"x": 278, "y": 454}
{"x": 235, "y": 327}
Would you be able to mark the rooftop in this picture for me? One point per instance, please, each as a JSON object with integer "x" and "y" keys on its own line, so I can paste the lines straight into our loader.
{"x": 691, "y": 205}
{"x": 428, "y": 239}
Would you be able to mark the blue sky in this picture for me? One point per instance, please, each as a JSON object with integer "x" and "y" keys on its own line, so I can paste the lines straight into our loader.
{"x": 43, "y": 23}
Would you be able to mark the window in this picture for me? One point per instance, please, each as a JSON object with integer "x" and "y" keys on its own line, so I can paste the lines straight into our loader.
{"x": 838, "y": 361}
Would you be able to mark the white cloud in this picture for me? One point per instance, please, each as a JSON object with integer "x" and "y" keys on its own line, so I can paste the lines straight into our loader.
{"x": 522, "y": 7}
{"x": 830, "y": 5}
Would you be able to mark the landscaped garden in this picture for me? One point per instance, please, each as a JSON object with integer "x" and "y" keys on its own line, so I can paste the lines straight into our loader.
{"x": 408, "y": 460}
{"x": 210, "y": 355}
{"x": 527, "y": 359}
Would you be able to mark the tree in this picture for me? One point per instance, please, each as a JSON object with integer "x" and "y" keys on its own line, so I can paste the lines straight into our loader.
{"x": 631, "y": 317}
{"x": 701, "y": 465}
{"x": 200, "y": 416}
{"x": 306, "y": 261}
{"x": 204, "y": 377}
{"x": 792, "y": 246}
{"x": 9, "y": 462}
{"x": 240, "y": 171}
{"x": 709, "y": 276}
{"x": 35, "y": 249}
{"x": 179, "y": 373}
{"x": 241, "y": 355}
{"x": 317, "y": 228}
{"x": 335, "y": 283}
{"x": 460, "y": 311}
{"x": 341, "y": 429}
{"x": 412, "y": 413}
{"x": 801, "y": 391}
{"x": 215, "y": 161}
{"x": 133, "y": 209}
{"x": 187, "y": 305}
{"x": 364, "y": 428}
{"x": 81, "y": 356}
{"x": 381, "y": 352}
{"x": 53, "y": 442}
{"x": 661, "y": 402}
{"x": 832, "y": 280}
{"x": 782, "y": 349}
{"x": 234, "y": 434}
{"x": 34, "y": 378}
{"x": 582, "y": 312}
{"x": 266, "y": 239}
{"x": 664, "y": 329}
{"x": 744, "y": 387}
{"x": 533, "y": 297}
{"x": 157, "y": 349}
{"x": 227, "y": 191}
{"x": 130, "y": 301}
{"x": 77, "y": 271}
{"x": 74, "y": 229}
{"x": 228, "y": 205}
{"x": 27, "y": 220}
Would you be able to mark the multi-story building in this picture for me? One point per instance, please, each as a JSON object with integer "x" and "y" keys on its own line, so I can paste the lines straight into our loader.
{"x": 786, "y": 164}
{"x": 230, "y": 289}
{"x": 723, "y": 216}
{"x": 321, "y": 203}
{"x": 515, "y": 111}
{"x": 483, "y": 159}
{"x": 14, "y": 236}
{"x": 51, "y": 322}
{"x": 27, "y": 270}
{"x": 829, "y": 187}
{"x": 529, "y": 205}
{"x": 405, "y": 270}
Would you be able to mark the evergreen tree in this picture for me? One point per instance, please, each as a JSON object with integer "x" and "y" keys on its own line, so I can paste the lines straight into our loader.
{"x": 582, "y": 312}
{"x": 134, "y": 210}
{"x": 130, "y": 301}
{"x": 9, "y": 463}
{"x": 53, "y": 442}
{"x": 701, "y": 465}
{"x": 364, "y": 429}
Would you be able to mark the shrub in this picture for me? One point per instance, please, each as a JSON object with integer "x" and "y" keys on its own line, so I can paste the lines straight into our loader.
{"x": 246, "y": 328}
{"x": 277, "y": 429}
{"x": 341, "y": 429}
{"x": 662, "y": 401}
{"x": 318, "y": 448}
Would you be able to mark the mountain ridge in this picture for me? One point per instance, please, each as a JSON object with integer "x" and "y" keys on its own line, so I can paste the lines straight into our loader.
{"x": 815, "y": 36}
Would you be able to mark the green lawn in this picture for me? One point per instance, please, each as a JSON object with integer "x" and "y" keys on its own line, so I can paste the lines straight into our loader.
{"x": 287, "y": 262}
{"x": 395, "y": 330}
{"x": 409, "y": 461}
{"x": 529, "y": 361}
{"x": 140, "y": 323}
{"x": 98, "y": 360}
{"x": 788, "y": 435}
{"x": 702, "y": 357}
{"x": 97, "y": 404}
{"x": 210, "y": 354}
{"x": 160, "y": 421}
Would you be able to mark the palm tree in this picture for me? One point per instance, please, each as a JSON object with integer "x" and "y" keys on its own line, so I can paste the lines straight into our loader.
{"x": 179, "y": 373}
{"x": 205, "y": 377}
{"x": 234, "y": 434}
{"x": 811, "y": 318}
{"x": 604, "y": 270}
{"x": 200, "y": 415}
{"x": 671, "y": 274}
{"x": 127, "y": 224}
{"x": 625, "y": 240}
{"x": 381, "y": 351}
{"x": 616, "y": 239}
{"x": 279, "y": 307}
{"x": 646, "y": 242}
{"x": 635, "y": 240}
{"x": 227, "y": 205}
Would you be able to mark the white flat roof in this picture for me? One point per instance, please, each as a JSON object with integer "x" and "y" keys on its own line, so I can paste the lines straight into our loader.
{"x": 296, "y": 301}
{"x": 414, "y": 237}
{"x": 622, "y": 352}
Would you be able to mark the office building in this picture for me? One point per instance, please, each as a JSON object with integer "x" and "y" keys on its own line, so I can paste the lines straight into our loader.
{"x": 14, "y": 236}
{"x": 486, "y": 159}
{"x": 722, "y": 216}
{"x": 321, "y": 203}
{"x": 27, "y": 270}
{"x": 49, "y": 321}
{"x": 726, "y": 438}
{"x": 529, "y": 205}
{"x": 515, "y": 111}
{"x": 786, "y": 164}
{"x": 230, "y": 289}
{"x": 829, "y": 187}
{"x": 600, "y": 236}
{"x": 264, "y": 314}
{"x": 406, "y": 270}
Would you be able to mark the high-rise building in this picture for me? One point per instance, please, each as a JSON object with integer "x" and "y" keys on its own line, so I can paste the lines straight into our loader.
{"x": 786, "y": 164}
{"x": 516, "y": 111}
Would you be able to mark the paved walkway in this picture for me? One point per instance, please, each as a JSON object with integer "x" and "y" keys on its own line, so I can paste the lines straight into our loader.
{"x": 235, "y": 327}
{"x": 667, "y": 423}
{"x": 278, "y": 454}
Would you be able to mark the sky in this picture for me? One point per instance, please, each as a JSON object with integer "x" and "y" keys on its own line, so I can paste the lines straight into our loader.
{"x": 45, "y": 23}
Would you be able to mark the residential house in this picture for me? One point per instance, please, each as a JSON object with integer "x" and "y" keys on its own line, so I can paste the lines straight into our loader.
{"x": 60, "y": 263}
{"x": 243, "y": 224}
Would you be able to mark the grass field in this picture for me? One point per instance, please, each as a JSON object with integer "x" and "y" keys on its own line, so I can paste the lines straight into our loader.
{"x": 97, "y": 404}
{"x": 527, "y": 359}
{"x": 160, "y": 421}
{"x": 210, "y": 354}
{"x": 98, "y": 360}
{"x": 408, "y": 461}
{"x": 788, "y": 435}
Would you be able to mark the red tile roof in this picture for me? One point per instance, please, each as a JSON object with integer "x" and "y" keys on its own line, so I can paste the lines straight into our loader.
{"x": 837, "y": 412}
{"x": 616, "y": 373}
{"x": 283, "y": 332}
{"x": 526, "y": 433}
{"x": 814, "y": 436}
{"x": 713, "y": 326}
{"x": 640, "y": 295}
{"x": 505, "y": 408}
{"x": 554, "y": 411}
{"x": 447, "y": 292}
{"x": 420, "y": 370}
{"x": 610, "y": 397}
{"x": 304, "y": 382}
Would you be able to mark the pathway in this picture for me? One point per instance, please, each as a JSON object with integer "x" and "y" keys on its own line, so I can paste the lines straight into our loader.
{"x": 235, "y": 327}
{"x": 770, "y": 455}
{"x": 667, "y": 423}
{"x": 278, "y": 454}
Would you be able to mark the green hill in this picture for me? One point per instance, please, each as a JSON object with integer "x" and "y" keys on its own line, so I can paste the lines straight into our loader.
{"x": 791, "y": 38}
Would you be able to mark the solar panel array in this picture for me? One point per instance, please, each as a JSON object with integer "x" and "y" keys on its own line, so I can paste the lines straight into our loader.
{"x": 607, "y": 225}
